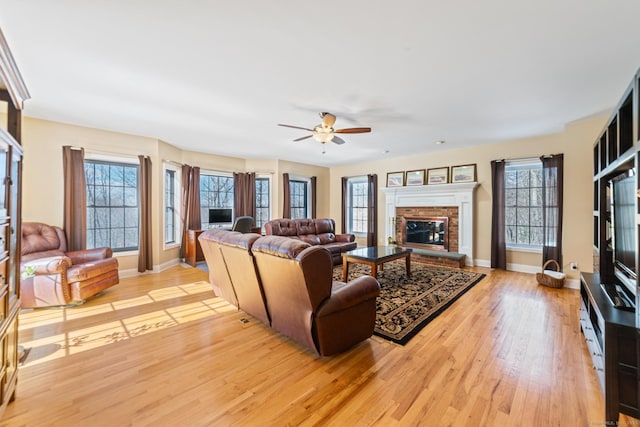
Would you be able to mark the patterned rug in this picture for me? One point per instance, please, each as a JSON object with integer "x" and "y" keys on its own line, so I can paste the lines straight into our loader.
{"x": 406, "y": 305}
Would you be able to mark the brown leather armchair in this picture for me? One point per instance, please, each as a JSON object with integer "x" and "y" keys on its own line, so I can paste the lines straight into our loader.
{"x": 52, "y": 276}
{"x": 303, "y": 301}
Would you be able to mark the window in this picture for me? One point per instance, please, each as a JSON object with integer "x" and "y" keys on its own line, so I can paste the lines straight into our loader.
{"x": 357, "y": 205}
{"x": 170, "y": 232}
{"x": 523, "y": 204}
{"x": 262, "y": 201}
{"x": 112, "y": 205}
{"x": 299, "y": 198}
{"x": 216, "y": 191}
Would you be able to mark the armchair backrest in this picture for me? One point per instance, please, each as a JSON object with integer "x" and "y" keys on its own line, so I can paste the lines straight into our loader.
{"x": 296, "y": 278}
{"x": 41, "y": 240}
{"x": 243, "y": 224}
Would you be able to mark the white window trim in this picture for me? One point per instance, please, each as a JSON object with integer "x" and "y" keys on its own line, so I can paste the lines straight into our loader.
{"x": 353, "y": 179}
{"x": 100, "y": 157}
{"x": 176, "y": 203}
{"x": 522, "y": 164}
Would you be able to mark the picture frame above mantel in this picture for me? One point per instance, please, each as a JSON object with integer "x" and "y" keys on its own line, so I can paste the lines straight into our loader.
{"x": 438, "y": 175}
{"x": 395, "y": 179}
{"x": 463, "y": 173}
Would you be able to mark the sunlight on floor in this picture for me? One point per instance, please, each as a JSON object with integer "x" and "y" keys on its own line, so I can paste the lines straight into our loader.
{"x": 59, "y": 345}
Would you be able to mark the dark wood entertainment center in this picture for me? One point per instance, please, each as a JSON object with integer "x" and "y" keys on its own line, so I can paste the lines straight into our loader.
{"x": 612, "y": 334}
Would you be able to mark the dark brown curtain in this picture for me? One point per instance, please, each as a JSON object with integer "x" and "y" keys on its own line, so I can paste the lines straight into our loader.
{"x": 286, "y": 196}
{"x": 190, "y": 204}
{"x": 372, "y": 210}
{"x": 244, "y": 194}
{"x": 75, "y": 198}
{"x": 498, "y": 240}
{"x": 552, "y": 184}
{"x": 314, "y": 183}
{"x": 145, "y": 251}
{"x": 343, "y": 223}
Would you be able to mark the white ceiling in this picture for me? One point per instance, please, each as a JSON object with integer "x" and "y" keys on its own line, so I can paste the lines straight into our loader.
{"x": 217, "y": 76}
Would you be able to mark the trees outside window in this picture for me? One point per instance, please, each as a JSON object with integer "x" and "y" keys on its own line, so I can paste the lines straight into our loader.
{"x": 112, "y": 205}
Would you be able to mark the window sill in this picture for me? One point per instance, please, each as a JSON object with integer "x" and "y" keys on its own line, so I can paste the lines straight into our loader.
{"x": 531, "y": 250}
{"x": 125, "y": 253}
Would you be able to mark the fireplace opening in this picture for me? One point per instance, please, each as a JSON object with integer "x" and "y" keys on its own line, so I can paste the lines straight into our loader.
{"x": 429, "y": 233}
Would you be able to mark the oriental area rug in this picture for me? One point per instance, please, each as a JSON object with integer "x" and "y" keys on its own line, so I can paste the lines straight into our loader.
{"x": 406, "y": 305}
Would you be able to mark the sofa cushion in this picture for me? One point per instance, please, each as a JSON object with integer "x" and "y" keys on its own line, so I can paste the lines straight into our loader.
{"x": 311, "y": 239}
{"x": 306, "y": 226}
{"x": 336, "y": 248}
{"x": 282, "y": 227}
{"x": 325, "y": 225}
{"x": 326, "y": 238}
{"x": 277, "y": 246}
{"x": 38, "y": 237}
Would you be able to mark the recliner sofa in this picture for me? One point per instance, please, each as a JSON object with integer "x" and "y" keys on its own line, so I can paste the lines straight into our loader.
{"x": 52, "y": 276}
{"x": 288, "y": 284}
{"x": 316, "y": 232}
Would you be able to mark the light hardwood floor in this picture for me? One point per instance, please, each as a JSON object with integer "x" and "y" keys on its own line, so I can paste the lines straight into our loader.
{"x": 161, "y": 349}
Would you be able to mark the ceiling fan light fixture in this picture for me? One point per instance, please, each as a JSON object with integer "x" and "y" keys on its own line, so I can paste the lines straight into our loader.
{"x": 322, "y": 134}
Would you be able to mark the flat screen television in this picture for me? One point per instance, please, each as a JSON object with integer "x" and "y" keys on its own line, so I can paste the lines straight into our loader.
{"x": 220, "y": 215}
{"x": 623, "y": 209}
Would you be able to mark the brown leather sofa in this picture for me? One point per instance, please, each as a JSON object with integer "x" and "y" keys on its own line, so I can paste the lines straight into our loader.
{"x": 52, "y": 276}
{"x": 288, "y": 284}
{"x": 316, "y": 232}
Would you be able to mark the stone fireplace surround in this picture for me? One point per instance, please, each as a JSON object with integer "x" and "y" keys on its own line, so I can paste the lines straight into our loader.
{"x": 441, "y": 196}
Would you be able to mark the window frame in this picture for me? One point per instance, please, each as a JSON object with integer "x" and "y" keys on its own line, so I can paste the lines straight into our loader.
{"x": 206, "y": 225}
{"x": 356, "y": 180}
{"x": 266, "y": 178}
{"x": 176, "y": 206}
{"x": 522, "y": 164}
{"x": 117, "y": 161}
{"x": 307, "y": 199}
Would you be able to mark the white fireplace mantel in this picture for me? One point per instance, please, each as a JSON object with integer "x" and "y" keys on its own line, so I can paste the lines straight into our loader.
{"x": 459, "y": 194}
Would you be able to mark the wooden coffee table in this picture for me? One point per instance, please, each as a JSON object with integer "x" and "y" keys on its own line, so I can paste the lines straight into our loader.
{"x": 375, "y": 256}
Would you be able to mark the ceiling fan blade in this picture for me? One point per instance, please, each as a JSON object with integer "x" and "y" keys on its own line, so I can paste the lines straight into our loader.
{"x": 304, "y": 137}
{"x": 338, "y": 140}
{"x": 353, "y": 130}
{"x": 328, "y": 119}
{"x": 295, "y": 127}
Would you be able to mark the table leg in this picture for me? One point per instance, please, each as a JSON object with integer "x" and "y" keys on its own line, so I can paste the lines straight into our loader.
{"x": 345, "y": 269}
{"x": 374, "y": 270}
{"x": 408, "y": 258}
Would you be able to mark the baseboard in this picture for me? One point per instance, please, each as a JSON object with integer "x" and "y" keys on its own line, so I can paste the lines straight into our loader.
{"x": 132, "y": 272}
{"x": 523, "y": 268}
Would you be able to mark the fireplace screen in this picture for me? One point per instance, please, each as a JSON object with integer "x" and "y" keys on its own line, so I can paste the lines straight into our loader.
{"x": 431, "y": 233}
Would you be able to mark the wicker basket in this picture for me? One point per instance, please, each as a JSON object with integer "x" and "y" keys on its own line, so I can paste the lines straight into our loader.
{"x": 546, "y": 279}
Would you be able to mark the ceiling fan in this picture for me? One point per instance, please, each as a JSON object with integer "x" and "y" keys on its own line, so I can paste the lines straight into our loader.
{"x": 325, "y": 132}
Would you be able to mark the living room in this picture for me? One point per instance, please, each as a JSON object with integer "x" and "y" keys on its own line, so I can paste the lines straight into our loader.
{"x": 245, "y": 364}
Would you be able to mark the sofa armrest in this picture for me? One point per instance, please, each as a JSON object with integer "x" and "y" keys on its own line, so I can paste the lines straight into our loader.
{"x": 88, "y": 255}
{"x": 356, "y": 291}
{"x": 49, "y": 265}
{"x": 346, "y": 237}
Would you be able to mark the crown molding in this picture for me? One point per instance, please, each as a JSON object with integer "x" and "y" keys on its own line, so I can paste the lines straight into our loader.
{"x": 10, "y": 75}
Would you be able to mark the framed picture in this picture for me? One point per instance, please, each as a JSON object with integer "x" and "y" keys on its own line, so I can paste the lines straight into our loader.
{"x": 395, "y": 179}
{"x": 415, "y": 177}
{"x": 438, "y": 175}
{"x": 463, "y": 173}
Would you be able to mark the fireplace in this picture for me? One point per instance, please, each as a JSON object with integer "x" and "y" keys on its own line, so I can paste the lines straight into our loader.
{"x": 427, "y": 232}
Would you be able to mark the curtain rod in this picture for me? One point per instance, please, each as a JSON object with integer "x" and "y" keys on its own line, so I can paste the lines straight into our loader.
{"x": 526, "y": 159}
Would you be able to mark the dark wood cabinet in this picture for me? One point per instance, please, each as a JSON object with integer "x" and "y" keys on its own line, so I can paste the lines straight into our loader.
{"x": 612, "y": 335}
{"x": 13, "y": 93}
{"x": 612, "y": 339}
